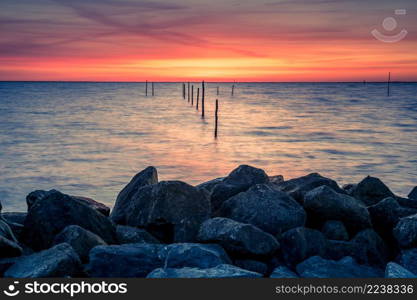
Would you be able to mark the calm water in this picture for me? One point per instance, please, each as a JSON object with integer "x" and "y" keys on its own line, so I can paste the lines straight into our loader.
{"x": 89, "y": 139}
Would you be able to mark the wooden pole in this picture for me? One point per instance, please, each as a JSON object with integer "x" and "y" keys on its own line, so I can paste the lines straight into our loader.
{"x": 202, "y": 99}
{"x": 146, "y": 88}
{"x": 183, "y": 91}
{"x": 192, "y": 95}
{"x": 188, "y": 84}
{"x": 153, "y": 91}
{"x": 198, "y": 96}
{"x": 388, "y": 85}
{"x": 233, "y": 89}
{"x": 216, "y": 119}
{"x": 217, "y": 90}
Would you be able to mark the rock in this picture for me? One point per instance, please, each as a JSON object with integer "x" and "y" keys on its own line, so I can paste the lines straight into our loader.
{"x": 6, "y": 232}
{"x": 408, "y": 259}
{"x": 239, "y": 180}
{"x": 171, "y": 210}
{"x": 252, "y": 265}
{"x": 221, "y": 271}
{"x": 299, "y": 243}
{"x": 15, "y": 217}
{"x": 58, "y": 261}
{"x": 283, "y": 272}
{"x": 348, "y": 188}
{"x": 129, "y": 260}
{"x": 370, "y": 249}
{"x": 371, "y": 190}
{"x": 323, "y": 204}
{"x": 6, "y": 263}
{"x": 124, "y": 200}
{"x": 80, "y": 239}
{"x": 298, "y": 187}
{"x": 9, "y": 248}
{"x": 335, "y": 230}
{"x": 317, "y": 267}
{"x": 133, "y": 235}
{"x": 209, "y": 185}
{"x": 263, "y": 206}
{"x": 413, "y": 193}
{"x": 338, "y": 249}
{"x": 276, "y": 179}
{"x": 405, "y": 232}
{"x": 51, "y": 214}
{"x": 394, "y": 270}
{"x": 192, "y": 255}
{"x": 97, "y": 206}
{"x": 407, "y": 202}
{"x": 238, "y": 238}
{"x": 15, "y": 222}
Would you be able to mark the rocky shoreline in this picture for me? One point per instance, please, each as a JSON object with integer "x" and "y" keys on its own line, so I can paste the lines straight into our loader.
{"x": 247, "y": 224}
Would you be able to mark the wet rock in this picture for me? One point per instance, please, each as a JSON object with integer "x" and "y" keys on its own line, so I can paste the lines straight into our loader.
{"x": 370, "y": 249}
{"x": 239, "y": 180}
{"x": 408, "y": 259}
{"x": 371, "y": 190}
{"x": 97, "y": 206}
{"x": 238, "y": 238}
{"x": 323, "y": 204}
{"x": 172, "y": 211}
{"x": 394, "y": 270}
{"x": 298, "y": 187}
{"x": 80, "y": 239}
{"x": 209, "y": 185}
{"x": 283, "y": 272}
{"x": 125, "y": 200}
{"x": 133, "y": 235}
{"x": 221, "y": 271}
{"x": 266, "y": 208}
{"x": 51, "y": 214}
{"x": 129, "y": 260}
{"x": 195, "y": 256}
{"x": 58, "y": 261}
{"x": 413, "y": 193}
{"x": 335, "y": 230}
{"x": 405, "y": 232}
{"x": 299, "y": 243}
{"x": 317, "y": 267}
{"x": 252, "y": 265}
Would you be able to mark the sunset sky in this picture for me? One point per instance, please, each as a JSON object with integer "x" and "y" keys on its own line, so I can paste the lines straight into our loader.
{"x": 215, "y": 40}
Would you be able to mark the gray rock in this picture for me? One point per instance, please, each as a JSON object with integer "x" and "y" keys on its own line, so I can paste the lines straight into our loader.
{"x": 15, "y": 222}
{"x": 276, "y": 179}
{"x": 252, "y": 265}
{"x": 97, "y": 206}
{"x": 349, "y": 188}
{"x": 6, "y": 231}
{"x": 51, "y": 214}
{"x": 133, "y": 235}
{"x": 238, "y": 238}
{"x": 407, "y": 202}
{"x": 125, "y": 198}
{"x": 239, "y": 180}
{"x": 209, "y": 185}
{"x": 299, "y": 243}
{"x": 335, "y": 230}
{"x": 15, "y": 217}
{"x": 371, "y": 190}
{"x": 370, "y": 249}
{"x": 221, "y": 271}
{"x": 193, "y": 255}
{"x": 171, "y": 210}
{"x": 129, "y": 260}
{"x": 58, "y": 261}
{"x": 408, "y": 259}
{"x": 394, "y": 270}
{"x": 263, "y": 206}
{"x": 80, "y": 239}
{"x": 338, "y": 249}
{"x": 298, "y": 187}
{"x": 323, "y": 204}
{"x": 6, "y": 263}
{"x": 405, "y": 232}
{"x": 413, "y": 193}
{"x": 317, "y": 267}
{"x": 283, "y": 272}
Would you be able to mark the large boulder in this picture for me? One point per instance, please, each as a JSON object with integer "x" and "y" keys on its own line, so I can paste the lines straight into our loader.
{"x": 298, "y": 187}
{"x": 338, "y": 249}
{"x": 58, "y": 261}
{"x": 394, "y": 270}
{"x": 405, "y": 232}
{"x": 34, "y": 196}
{"x": 323, "y": 204}
{"x": 299, "y": 243}
{"x": 220, "y": 271}
{"x": 9, "y": 248}
{"x": 192, "y": 255}
{"x": 407, "y": 202}
{"x": 413, "y": 193}
{"x": 371, "y": 190}
{"x": 408, "y": 259}
{"x": 370, "y": 249}
{"x": 80, "y": 239}
{"x": 129, "y": 260}
{"x": 125, "y": 198}
{"x": 252, "y": 265}
{"x": 317, "y": 267}
{"x": 210, "y": 185}
{"x": 335, "y": 230}
{"x": 283, "y": 272}
{"x": 14, "y": 217}
{"x": 239, "y": 180}
{"x": 171, "y": 210}
{"x": 238, "y": 238}
{"x": 265, "y": 207}
{"x": 133, "y": 235}
{"x": 51, "y": 214}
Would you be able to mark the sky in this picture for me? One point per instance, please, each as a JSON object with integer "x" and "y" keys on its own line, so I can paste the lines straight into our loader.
{"x": 215, "y": 40}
